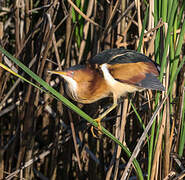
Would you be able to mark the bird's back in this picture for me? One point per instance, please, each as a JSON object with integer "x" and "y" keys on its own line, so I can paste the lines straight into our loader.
{"x": 119, "y": 56}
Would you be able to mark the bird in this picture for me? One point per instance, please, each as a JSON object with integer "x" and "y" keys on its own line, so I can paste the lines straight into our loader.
{"x": 111, "y": 73}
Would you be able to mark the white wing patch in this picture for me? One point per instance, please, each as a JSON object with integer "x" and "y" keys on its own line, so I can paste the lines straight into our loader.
{"x": 107, "y": 76}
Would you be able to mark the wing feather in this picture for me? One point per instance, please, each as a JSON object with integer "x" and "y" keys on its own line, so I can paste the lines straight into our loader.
{"x": 141, "y": 74}
{"x": 131, "y": 67}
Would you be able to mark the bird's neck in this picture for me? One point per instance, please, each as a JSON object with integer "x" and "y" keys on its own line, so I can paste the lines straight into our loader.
{"x": 94, "y": 89}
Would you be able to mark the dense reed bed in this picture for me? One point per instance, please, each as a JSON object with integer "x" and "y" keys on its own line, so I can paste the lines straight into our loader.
{"x": 45, "y": 135}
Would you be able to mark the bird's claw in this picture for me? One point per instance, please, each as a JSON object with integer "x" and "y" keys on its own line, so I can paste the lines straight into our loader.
{"x": 98, "y": 120}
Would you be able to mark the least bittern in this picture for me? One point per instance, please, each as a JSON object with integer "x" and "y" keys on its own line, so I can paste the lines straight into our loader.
{"x": 113, "y": 72}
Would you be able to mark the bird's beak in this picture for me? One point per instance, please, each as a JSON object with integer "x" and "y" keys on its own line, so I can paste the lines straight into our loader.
{"x": 58, "y": 72}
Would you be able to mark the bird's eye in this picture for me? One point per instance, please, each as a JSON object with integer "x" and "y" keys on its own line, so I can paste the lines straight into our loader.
{"x": 72, "y": 73}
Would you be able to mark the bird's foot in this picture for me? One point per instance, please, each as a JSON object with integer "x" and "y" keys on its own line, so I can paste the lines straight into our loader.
{"x": 98, "y": 121}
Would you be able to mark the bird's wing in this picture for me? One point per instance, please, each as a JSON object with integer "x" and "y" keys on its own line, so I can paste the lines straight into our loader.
{"x": 131, "y": 67}
{"x": 140, "y": 74}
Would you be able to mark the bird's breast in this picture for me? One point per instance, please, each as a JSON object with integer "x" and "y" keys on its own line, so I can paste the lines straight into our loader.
{"x": 93, "y": 91}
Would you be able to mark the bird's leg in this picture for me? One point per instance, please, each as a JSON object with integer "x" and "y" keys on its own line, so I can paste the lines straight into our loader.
{"x": 98, "y": 120}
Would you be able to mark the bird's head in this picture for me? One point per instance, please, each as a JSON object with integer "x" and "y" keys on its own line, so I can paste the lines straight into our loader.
{"x": 76, "y": 74}
{"x": 77, "y": 77}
